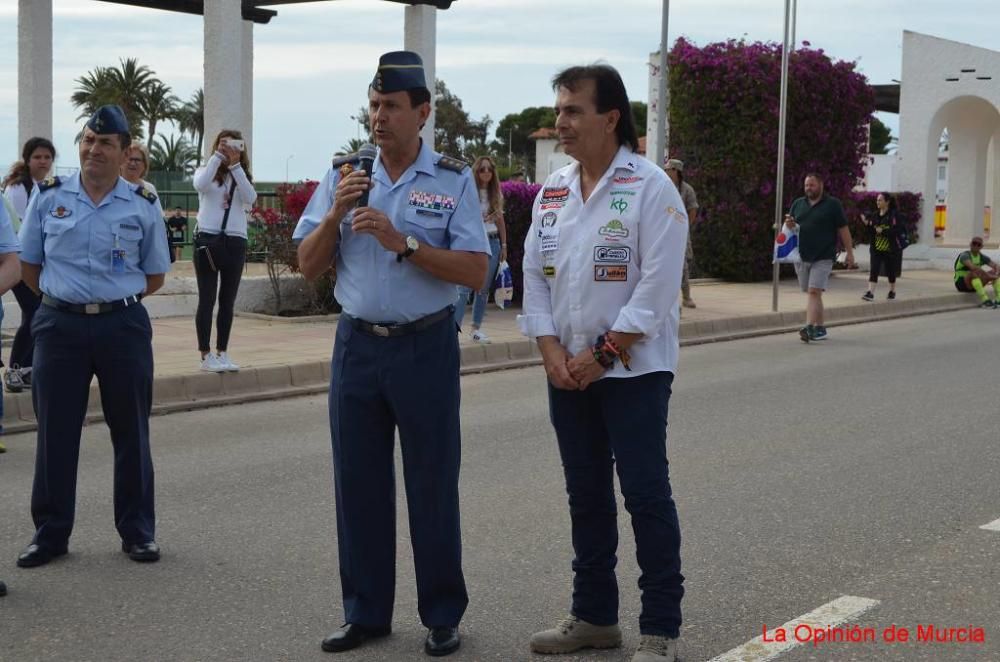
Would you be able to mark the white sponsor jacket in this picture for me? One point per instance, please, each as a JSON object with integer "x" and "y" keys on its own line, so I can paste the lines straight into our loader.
{"x": 612, "y": 263}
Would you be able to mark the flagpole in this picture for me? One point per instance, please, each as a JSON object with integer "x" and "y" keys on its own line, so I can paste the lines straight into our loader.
{"x": 779, "y": 184}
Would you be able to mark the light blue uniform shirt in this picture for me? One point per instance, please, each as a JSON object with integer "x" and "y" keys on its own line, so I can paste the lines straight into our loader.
{"x": 434, "y": 204}
{"x": 8, "y": 240}
{"x": 74, "y": 240}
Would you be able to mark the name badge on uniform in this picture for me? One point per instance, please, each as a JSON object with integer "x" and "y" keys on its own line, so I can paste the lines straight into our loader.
{"x": 118, "y": 260}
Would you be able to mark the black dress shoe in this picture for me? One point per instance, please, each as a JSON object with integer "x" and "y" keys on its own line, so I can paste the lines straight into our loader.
{"x": 143, "y": 552}
{"x": 352, "y": 635}
{"x": 35, "y": 555}
{"x": 442, "y": 641}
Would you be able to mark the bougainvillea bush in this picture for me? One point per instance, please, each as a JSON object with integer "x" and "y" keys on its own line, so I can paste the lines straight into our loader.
{"x": 724, "y": 103}
{"x": 518, "y": 198}
{"x": 908, "y": 211}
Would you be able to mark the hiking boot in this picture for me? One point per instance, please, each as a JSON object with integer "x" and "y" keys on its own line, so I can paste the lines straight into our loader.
{"x": 13, "y": 381}
{"x": 653, "y": 648}
{"x": 571, "y": 634}
{"x": 819, "y": 333}
{"x": 868, "y": 296}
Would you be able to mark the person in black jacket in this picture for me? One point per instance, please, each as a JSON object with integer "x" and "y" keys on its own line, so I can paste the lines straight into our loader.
{"x": 883, "y": 240}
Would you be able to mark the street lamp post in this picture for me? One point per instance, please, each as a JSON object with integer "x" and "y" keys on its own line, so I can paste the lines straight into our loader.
{"x": 290, "y": 157}
{"x": 779, "y": 187}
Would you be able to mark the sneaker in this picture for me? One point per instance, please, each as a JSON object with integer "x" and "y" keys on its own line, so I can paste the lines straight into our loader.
{"x": 227, "y": 363}
{"x": 985, "y": 304}
{"x": 211, "y": 363}
{"x": 819, "y": 333}
{"x": 480, "y": 337}
{"x": 806, "y": 333}
{"x": 868, "y": 296}
{"x": 656, "y": 649}
{"x": 571, "y": 634}
{"x": 13, "y": 381}
{"x": 891, "y": 295}
{"x": 688, "y": 303}
{"x": 3, "y": 449}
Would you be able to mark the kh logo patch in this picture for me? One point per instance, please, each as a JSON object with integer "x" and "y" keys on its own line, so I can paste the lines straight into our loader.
{"x": 616, "y": 274}
{"x": 614, "y": 229}
{"x": 619, "y": 205}
{"x": 613, "y": 254}
{"x": 61, "y": 212}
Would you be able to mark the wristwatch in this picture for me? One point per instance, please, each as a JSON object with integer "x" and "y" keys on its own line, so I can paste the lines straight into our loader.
{"x": 411, "y": 247}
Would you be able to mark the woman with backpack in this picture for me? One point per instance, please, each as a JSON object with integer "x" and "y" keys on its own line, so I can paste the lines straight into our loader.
{"x": 885, "y": 241}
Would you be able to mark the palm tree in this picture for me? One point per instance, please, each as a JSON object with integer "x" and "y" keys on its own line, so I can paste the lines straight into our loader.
{"x": 190, "y": 118}
{"x": 352, "y": 145}
{"x": 172, "y": 154}
{"x": 158, "y": 103}
{"x": 126, "y": 85}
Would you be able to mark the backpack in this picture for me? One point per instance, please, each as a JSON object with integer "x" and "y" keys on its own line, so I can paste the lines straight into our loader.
{"x": 903, "y": 238}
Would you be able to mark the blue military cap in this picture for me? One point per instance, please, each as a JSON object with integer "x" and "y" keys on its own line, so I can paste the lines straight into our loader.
{"x": 398, "y": 71}
{"x": 108, "y": 119}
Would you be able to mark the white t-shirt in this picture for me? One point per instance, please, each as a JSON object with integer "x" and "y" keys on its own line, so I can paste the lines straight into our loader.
{"x": 213, "y": 198}
{"x": 484, "y": 207}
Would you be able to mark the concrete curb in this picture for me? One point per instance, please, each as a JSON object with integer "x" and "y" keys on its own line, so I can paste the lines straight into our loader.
{"x": 203, "y": 389}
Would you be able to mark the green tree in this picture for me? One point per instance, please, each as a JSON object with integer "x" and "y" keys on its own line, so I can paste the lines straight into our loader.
{"x": 455, "y": 132}
{"x": 190, "y": 118}
{"x": 172, "y": 154}
{"x": 879, "y": 137}
{"x": 156, "y": 105}
{"x": 639, "y": 113}
{"x": 513, "y": 131}
{"x": 351, "y": 146}
{"x": 126, "y": 85}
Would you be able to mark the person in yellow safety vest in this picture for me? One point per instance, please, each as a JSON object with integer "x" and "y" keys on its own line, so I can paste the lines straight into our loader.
{"x": 970, "y": 276}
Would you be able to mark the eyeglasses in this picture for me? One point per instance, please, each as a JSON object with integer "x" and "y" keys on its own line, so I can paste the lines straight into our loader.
{"x": 485, "y": 169}
{"x": 135, "y": 159}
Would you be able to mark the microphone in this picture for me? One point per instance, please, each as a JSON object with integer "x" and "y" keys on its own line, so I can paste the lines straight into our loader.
{"x": 366, "y": 156}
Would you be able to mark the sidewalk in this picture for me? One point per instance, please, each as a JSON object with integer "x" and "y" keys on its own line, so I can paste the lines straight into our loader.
{"x": 285, "y": 357}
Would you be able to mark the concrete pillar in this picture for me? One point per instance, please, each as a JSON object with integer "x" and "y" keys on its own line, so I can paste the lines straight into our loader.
{"x": 993, "y": 192}
{"x": 228, "y": 96}
{"x": 420, "y": 35}
{"x": 966, "y": 185}
{"x": 34, "y": 70}
{"x": 246, "y": 125}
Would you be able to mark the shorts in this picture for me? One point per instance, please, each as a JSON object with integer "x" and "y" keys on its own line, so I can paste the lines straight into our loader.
{"x": 962, "y": 286}
{"x": 813, "y": 275}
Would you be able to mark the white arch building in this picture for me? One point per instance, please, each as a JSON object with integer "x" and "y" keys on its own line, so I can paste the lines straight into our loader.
{"x": 951, "y": 85}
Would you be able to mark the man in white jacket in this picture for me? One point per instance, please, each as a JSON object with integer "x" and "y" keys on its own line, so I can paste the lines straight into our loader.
{"x": 602, "y": 268}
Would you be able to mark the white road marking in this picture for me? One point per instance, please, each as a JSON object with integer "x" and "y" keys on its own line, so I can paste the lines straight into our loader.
{"x": 844, "y": 608}
{"x": 992, "y": 526}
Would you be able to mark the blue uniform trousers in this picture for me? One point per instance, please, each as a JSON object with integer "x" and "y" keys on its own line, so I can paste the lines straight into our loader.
{"x": 377, "y": 385}
{"x": 623, "y": 421}
{"x": 69, "y": 350}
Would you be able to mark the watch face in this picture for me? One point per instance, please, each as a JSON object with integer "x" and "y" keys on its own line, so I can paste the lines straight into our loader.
{"x": 412, "y": 244}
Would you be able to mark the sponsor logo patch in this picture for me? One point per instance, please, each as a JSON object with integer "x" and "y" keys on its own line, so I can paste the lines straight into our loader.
{"x": 615, "y": 274}
{"x": 552, "y": 205}
{"x": 613, "y": 254}
{"x": 619, "y": 205}
{"x": 549, "y": 219}
{"x": 548, "y": 271}
{"x": 555, "y": 194}
{"x": 629, "y": 179}
{"x": 614, "y": 229}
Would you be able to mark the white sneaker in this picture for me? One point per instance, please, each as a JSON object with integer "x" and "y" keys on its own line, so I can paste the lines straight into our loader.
{"x": 227, "y": 363}
{"x": 480, "y": 337}
{"x": 211, "y": 363}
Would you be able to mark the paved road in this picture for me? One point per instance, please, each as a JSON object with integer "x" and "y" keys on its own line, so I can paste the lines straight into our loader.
{"x": 861, "y": 466}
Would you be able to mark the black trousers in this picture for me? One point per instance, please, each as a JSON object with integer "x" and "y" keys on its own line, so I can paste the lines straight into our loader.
{"x": 220, "y": 284}
{"x": 23, "y": 349}
{"x": 888, "y": 263}
{"x": 71, "y": 350}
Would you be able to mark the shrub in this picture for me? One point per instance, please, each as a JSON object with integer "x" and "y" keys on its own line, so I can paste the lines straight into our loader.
{"x": 518, "y": 198}
{"x": 724, "y": 103}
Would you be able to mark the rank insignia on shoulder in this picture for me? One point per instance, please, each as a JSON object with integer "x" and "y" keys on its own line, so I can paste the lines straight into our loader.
{"x": 146, "y": 193}
{"x": 49, "y": 182}
{"x": 449, "y": 163}
{"x": 61, "y": 212}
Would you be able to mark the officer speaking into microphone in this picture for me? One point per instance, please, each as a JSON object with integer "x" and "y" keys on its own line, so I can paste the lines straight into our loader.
{"x": 395, "y": 359}
{"x": 93, "y": 246}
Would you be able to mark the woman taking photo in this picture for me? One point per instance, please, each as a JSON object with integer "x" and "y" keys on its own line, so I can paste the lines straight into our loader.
{"x": 491, "y": 206}
{"x": 136, "y": 166}
{"x": 225, "y": 196}
{"x": 37, "y": 158}
{"x": 883, "y": 242}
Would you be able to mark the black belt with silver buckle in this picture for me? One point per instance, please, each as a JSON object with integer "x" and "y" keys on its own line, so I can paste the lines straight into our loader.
{"x": 390, "y": 330}
{"x": 90, "y": 308}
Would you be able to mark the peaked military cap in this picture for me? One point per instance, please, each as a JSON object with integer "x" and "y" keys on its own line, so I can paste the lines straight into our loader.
{"x": 398, "y": 71}
{"x": 108, "y": 119}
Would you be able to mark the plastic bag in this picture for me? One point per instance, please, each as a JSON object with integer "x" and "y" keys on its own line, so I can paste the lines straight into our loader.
{"x": 786, "y": 245}
{"x": 504, "y": 286}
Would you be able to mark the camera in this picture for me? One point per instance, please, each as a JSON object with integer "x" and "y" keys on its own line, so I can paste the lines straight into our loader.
{"x": 235, "y": 143}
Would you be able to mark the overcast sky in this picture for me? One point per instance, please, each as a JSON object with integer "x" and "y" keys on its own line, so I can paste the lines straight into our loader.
{"x": 313, "y": 62}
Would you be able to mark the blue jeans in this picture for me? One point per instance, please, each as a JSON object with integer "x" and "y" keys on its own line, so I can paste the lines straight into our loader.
{"x": 483, "y": 295}
{"x": 620, "y": 423}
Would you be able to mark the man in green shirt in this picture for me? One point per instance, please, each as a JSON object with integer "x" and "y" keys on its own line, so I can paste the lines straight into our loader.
{"x": 820, "y": 219}
{"x": 970, "y": 276}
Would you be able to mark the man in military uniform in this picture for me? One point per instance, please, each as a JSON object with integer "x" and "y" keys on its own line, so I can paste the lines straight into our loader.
{"x": 93, "y": 246}
{"x": 395, "y": 360}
